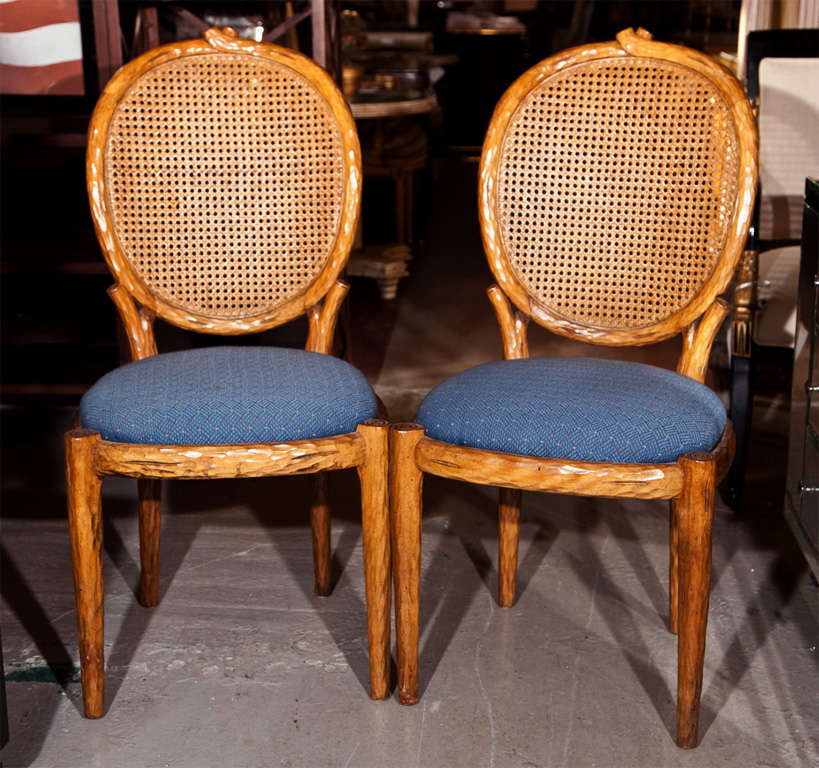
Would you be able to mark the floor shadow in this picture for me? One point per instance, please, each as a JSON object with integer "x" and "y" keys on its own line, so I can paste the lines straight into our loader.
{"x": 629, "y": 541}
{"x": 180, "y": 529}
{"x": 534, "y": 548}
{"x": 124, "y": 646}
{"x": 609, "y": 603}
{"x": 762, "y": 614}
{"x": 342, "y": 553}
{"x": 442, "y": 609}
{"x": 24, "y": 604}
{"x": 480, "y": 558}
{"x": 469, "y": 525}
{"x": 24, "y": 748}
{"x": 538, "y": 547}
{"x": 119, "y": 556}
{"x": 176, "y": 537}
{"x": 343, "y": 496}
{"x": 445, "y": 595}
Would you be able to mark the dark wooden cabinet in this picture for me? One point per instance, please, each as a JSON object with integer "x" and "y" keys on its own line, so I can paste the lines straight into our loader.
{"x": 802, "y": 490}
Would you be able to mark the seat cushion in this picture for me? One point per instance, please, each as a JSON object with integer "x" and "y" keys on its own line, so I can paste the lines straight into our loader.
{"x": 584, "y": 409}
{"x": 228, "y": 395}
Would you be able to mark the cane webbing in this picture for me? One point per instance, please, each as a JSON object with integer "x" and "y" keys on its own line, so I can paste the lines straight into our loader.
{"x": 225, "y": 182}
{"x": 616, "y": 184}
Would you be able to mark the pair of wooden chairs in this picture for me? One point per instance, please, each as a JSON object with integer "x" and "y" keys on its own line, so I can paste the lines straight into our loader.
{"x": 616, "y": 185}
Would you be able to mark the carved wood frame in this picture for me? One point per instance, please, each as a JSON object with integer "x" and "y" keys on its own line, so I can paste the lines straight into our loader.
{"x": 576, "y": 478}
{"x": 638, "y": 44}
{"x": 89, "y": 458}
{"x": 689, "y": 483}
{"x": 215, "y": 42}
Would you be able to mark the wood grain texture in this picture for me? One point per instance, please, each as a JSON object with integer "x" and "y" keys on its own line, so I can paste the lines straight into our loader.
{"x": 694, "y": 359}
{"x": 531, "y": 473}
{"x": 150, "y": 504}
{"x": 375, "y": 526}
{"x": 224, "y": 178}
{"x": 723, "y": 452}
{"x": 688, "y": 336}
{"x": 651, "y": 315}
{"x": 223, "y": 461}
{"x": 513, "y": 326}
{"x": 323, "y": 317}
{"x": 508, "y": 535}
{"x": 320, "y": 534}
{"x": 406, "y": 481}
{"x": 138, "y": 323}
{"x": 695, "y": 511}
{"x": 526, "y": 206}
{"x": 83, "y": 488}
{"x": 152, "y": 284}
{"x": 673, "y": 567}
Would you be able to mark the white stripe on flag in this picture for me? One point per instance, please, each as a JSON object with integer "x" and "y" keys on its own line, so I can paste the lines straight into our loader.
{"x": 52, "y": 44}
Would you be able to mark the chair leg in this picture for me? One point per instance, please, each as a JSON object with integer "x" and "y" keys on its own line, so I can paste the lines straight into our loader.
{"x": 320, "y": 525}
{"x": 695, "y": 511}
{"x": 83, "y": 487}
{"x": 508, "y": 534}
{"x": 150, "y": 502}
{"x": 673, "y": 567}
{"x": 405, "y": 515}
{"x": 375, "y": 526}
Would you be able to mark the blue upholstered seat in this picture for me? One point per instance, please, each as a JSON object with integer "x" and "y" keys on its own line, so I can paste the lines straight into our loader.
{"x": 228, "y": 395}
{"x": 584, "y": 409}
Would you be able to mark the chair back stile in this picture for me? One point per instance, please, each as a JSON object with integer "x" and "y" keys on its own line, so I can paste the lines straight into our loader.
{"x": 622, "y": 247}
{"x": 211, "y": 229}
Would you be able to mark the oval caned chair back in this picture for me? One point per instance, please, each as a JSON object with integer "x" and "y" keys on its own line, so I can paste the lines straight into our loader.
{"x": 228, "y": 190}
{"x": 615, "y": 189}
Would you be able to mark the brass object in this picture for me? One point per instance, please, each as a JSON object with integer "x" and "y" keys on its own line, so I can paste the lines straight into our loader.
{"x": 351, "y": 79}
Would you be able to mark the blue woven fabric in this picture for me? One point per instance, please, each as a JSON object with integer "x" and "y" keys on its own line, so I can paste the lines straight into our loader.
{"x": 228, "y": 395}
{"x": 584, "y": 409}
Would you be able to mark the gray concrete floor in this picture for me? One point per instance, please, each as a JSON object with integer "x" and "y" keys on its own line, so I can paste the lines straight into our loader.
{"x": 240, "y": 665}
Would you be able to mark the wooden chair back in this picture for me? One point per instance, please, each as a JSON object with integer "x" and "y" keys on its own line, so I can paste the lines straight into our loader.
{"x": 225, "y": 181}
{"x": 617, "y": 182}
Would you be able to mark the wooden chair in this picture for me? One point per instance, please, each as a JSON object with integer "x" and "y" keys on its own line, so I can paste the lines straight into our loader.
{"x": 224, "y": 179}
{"x": 616, "y": 185}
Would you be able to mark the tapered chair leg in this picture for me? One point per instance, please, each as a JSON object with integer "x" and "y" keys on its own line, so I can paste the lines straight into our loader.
{"x": 508, "y": 534}
{"x": 150, "y": 502}
{"x": 405, "y": 517}
{"x": 83, "y": 487}
{"x": 375, "y": 526}
{"x": 673, "y": 567}
{"x": 320, "y": 525}
{"x": 695, "y": 510}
